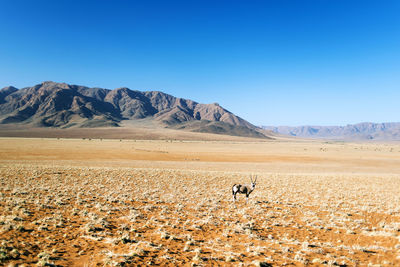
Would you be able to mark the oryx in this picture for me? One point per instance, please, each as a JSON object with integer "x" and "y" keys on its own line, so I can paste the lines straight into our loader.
{"x": 244, "y": 189}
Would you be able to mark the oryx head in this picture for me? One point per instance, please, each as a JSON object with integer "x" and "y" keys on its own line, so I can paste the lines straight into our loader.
{"x": 253, "y": 182}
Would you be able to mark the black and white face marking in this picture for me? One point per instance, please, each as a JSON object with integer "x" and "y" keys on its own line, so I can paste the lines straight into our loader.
{"x": 253, "y": 185}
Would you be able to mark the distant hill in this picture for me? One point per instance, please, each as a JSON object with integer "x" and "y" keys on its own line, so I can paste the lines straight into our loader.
{"x": 360, "y": 131}
{"x": 61, "y": 105}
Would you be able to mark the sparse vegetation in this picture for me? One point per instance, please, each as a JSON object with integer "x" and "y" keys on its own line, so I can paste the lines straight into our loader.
{"x": 69, "y": 214}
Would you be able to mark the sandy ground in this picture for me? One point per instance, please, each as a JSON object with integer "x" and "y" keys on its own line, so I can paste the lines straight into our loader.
{"x": 144, "y": 129}
{"x": 81, "y": 202}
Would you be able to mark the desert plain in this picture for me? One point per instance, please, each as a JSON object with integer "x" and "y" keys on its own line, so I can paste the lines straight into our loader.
{"x": 126, "y": 202}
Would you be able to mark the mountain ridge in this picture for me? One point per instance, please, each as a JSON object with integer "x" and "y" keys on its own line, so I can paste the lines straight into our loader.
{"x": 359, "y": 131}
{"x": 61, "y": 105}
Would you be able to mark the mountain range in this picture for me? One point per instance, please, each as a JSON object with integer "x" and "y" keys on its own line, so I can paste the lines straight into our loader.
{"x": 360, "y": 131}
{"x": 61, "y": 105}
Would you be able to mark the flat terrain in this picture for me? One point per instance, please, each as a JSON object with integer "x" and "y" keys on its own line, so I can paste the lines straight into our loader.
{"x": 143, "y": 129}
{"x": 93, "y": 202}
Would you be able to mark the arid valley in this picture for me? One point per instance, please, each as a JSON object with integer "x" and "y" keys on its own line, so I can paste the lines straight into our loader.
{"x": 199, "y": 133}
{"x": 112, "y": 202}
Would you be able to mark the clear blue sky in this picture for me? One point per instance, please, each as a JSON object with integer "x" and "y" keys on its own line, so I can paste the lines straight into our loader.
{"x": 276, "y": 62}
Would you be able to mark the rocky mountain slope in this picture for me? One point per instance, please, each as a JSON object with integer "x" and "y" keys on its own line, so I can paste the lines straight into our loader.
{"x": 51, "y": 104}
{"x": 360, "y": 131}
